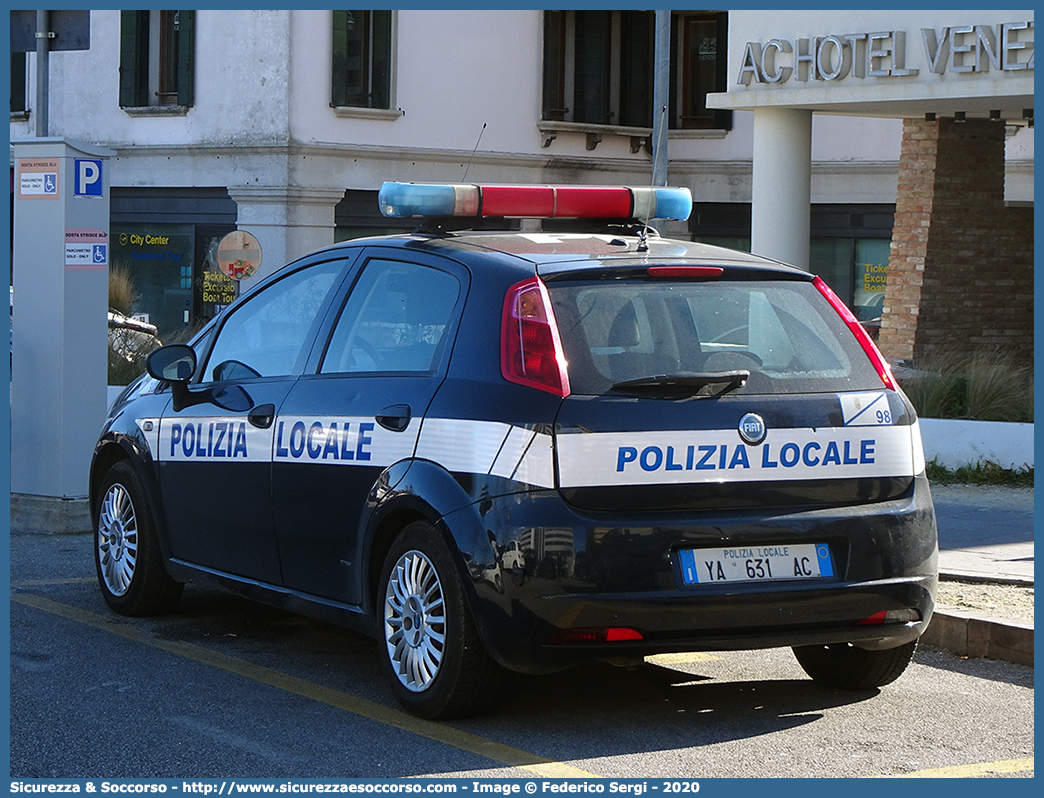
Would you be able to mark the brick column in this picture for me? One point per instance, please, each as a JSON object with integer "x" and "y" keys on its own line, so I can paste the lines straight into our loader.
{"x": 960, "y": 273}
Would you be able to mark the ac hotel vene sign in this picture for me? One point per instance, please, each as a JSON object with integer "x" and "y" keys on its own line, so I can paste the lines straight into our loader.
{"x": 1004, "y": 47}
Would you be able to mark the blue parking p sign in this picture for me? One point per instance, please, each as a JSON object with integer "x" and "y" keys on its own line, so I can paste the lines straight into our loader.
{"x": 88, "y": 182}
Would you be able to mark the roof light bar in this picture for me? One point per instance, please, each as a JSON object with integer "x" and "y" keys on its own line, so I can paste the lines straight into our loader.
{"x": 399, "y": 200}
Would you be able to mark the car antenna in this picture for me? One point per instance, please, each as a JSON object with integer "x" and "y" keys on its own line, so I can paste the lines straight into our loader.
{"x": 643, "y": 234}
{"x": 483, "y": 130}
{"x": 440, "y": 225}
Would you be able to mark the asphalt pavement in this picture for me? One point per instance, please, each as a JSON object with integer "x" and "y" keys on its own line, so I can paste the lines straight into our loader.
{"x": 985, "y": 535}
{"x": 985, "y": 532}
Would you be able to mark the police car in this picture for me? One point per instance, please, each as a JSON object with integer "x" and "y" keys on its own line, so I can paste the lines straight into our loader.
{"x": 501, "y": 451}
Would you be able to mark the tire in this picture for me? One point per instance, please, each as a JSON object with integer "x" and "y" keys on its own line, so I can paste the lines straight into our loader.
{"x": 127, "y": 554}
{"x": 431, "y": 648}
{"x": 849, "y": 667}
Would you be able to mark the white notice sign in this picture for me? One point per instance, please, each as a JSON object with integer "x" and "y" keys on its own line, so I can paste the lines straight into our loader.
{"x": 86, "y": 249}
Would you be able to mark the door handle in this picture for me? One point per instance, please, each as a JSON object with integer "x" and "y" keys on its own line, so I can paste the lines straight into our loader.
{"x": 395, "y": 418}
{"x": 262, "y": 416}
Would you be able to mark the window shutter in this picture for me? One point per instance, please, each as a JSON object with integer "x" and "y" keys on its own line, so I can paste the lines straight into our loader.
{"x": 591, "y": 101}
{"x": 554, "y": 101}
{"x": 381, "y": 70}
{"x": 186, "y": 57}
{"x": 338, "y": 67}
{"x": 134, "y": 58}
{"x": 637, "y": 53}
{"x": 18, "y": 104}
{"x": 722, "y": 116}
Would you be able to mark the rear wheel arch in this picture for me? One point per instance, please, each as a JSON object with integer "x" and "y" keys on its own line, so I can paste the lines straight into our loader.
{"x": 427, "y": 492}
{"x": 430, "y": 645}
{"x": 380, "y": 543}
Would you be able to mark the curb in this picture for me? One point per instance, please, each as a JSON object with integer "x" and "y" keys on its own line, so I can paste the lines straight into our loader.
{"x": 978, "y": 577}
{"x": 967, "y": 635}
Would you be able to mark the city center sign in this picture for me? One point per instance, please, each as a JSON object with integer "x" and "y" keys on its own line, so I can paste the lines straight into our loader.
{"x": 1005, "y": 47}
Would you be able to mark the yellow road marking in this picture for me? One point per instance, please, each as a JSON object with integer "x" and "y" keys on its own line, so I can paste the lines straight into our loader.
{"x": 505, "y": 754}
{"x": 975, "y": 771}
{"x": 50, "y": 582}
{"x": 512, "y": 757}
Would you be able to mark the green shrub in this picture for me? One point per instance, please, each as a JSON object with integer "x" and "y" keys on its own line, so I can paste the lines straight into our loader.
{"x": 985, "y": 386}
{"x": 980, "y": 473}
{"x": 999, "y": 388}
{"x": 122, "y": 293}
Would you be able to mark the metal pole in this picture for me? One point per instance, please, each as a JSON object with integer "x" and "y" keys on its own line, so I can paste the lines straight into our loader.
{"x": 661, "y": 96}
{"x": 43, "y": 47}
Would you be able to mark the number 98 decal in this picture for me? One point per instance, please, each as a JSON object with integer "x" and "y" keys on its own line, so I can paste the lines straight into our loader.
{"x": 865, "y": 409}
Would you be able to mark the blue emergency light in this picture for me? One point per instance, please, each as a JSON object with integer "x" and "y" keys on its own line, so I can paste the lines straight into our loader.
{"x": 399, "y": 200}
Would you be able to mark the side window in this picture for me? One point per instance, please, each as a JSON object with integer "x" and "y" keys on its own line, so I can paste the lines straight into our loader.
{"x": 157, "y": 54}
{"x": 362, "y": 63}
{"x": 264, "y": 336}
{"x": 396, "y": 320}
{"x": 18, "y": 83}
{"x": 699, "y": 68}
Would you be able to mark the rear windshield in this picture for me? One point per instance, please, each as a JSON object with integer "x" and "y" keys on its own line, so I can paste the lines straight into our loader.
{"x": 783, "y": 332}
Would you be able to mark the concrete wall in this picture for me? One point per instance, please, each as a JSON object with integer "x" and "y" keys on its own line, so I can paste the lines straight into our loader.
{"x": 957, "y": 443}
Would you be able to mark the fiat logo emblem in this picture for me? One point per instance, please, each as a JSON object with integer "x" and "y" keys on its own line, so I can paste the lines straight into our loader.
{"x": 752, "y": 429}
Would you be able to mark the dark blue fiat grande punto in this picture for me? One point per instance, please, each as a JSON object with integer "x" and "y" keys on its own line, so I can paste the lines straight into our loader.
{"x": 507, "y": 451}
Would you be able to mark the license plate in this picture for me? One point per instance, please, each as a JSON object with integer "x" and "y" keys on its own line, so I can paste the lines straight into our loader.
{"x": 756, "y": 563}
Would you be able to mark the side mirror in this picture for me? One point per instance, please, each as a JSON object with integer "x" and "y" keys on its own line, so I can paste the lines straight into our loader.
{"x": 173, "y": 363}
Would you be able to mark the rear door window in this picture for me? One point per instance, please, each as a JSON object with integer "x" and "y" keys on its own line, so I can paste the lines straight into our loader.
{"x": 396, "y": 320}
{"x": 783, "y": 332}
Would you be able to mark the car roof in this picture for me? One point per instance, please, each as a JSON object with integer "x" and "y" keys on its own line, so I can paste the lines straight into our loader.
{"x": 552, "y": 252}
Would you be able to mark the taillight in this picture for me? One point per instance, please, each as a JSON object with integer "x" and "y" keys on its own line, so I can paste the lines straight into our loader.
{"x": 530, "y": 347}
{"x": 865, "y": 341}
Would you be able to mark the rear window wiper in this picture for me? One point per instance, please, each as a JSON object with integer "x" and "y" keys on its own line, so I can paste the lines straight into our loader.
{"x": 686, "y": 383}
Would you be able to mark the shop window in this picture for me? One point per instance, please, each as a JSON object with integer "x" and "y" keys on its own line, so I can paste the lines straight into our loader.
{"x": 158, "y": 260}
{"x": 18, "y": 83}
{"x": 849, "y": 247}
{"x": 361, "y": 69}
{"x": 358, "y": 214}
{"x": 599, "y": 68}
{"x": 157, "y": 59}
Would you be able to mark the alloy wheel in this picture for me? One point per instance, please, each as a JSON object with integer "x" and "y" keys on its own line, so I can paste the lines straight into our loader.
{"x": 117, "y": 540}
{"x": 415, "y": 621}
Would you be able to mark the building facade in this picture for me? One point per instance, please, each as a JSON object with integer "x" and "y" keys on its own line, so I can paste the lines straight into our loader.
{"x": 960, "y": 269}
{"x": 285, "y": 123}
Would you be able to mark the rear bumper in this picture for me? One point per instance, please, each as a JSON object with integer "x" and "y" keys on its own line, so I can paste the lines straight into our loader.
{"x": 579, "y": 574}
